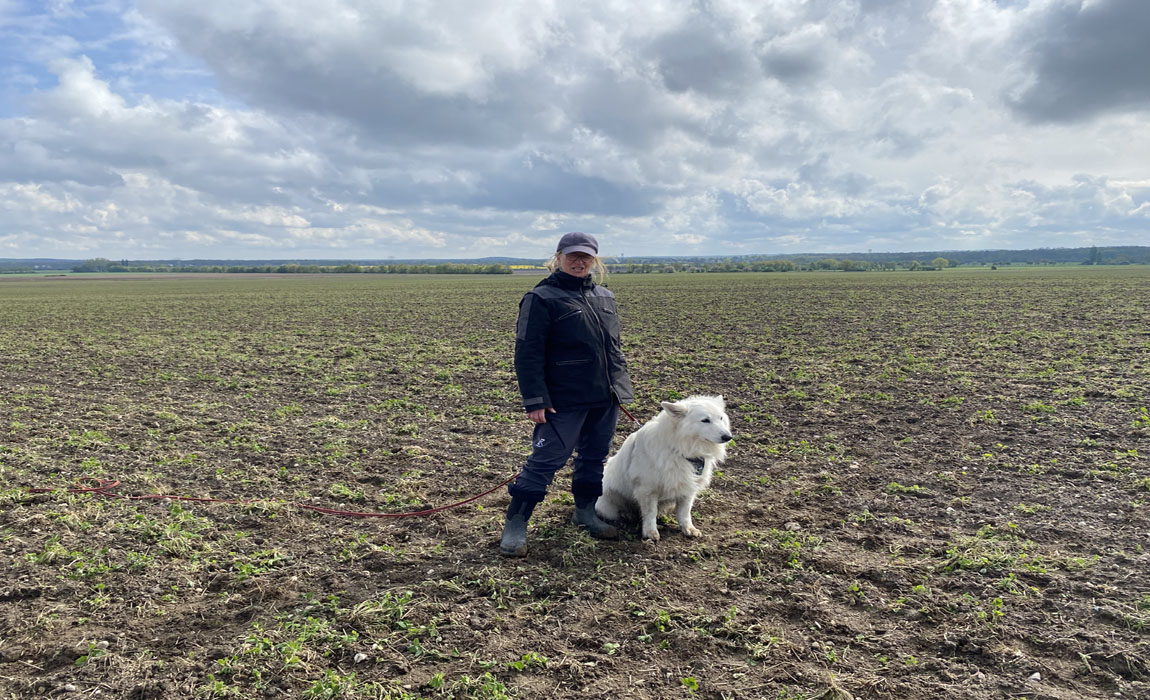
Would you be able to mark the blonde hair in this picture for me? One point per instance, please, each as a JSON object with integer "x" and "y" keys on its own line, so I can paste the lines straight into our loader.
{"x": 598, "y": 269}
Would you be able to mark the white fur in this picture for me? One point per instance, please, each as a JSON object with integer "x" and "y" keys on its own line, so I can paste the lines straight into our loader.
{"x": 651, "y": 470}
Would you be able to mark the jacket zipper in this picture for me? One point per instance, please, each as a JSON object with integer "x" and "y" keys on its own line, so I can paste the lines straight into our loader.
{"x": 602, "y": 345}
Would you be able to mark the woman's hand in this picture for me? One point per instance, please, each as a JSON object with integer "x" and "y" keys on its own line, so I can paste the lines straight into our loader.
{"x": 540, "y": 416}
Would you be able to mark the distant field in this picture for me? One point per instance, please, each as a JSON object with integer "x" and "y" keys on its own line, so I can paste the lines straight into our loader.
{"x": 939, "y": 488}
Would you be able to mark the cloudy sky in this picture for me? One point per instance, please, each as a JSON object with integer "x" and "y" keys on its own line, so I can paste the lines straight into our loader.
{"x": 335, "y": 129}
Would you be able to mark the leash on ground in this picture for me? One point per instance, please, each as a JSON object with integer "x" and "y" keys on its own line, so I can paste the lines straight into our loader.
{"x": 103, "y": 487}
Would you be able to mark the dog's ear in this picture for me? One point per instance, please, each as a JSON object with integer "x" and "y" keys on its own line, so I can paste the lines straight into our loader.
{"x": 676, "y": 410}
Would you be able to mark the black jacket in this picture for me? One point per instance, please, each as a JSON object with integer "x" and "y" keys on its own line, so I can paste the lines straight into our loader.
{"x": 567, "y": 350}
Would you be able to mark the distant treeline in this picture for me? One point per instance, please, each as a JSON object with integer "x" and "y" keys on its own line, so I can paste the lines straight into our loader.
{"x": 850, "y": 262}
{"x": 105, "y": 265}
{"x": 742, "y": 265}
{"x": 887, "y": 261}
{"x": 734, "y": 265}
{"x": 1096, "y": 255}
{"x": 727, "y": 266}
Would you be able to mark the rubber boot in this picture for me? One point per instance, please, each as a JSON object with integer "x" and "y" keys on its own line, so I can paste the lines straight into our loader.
{"x": 514, "y": 542}
{"x": 586, "y": 518}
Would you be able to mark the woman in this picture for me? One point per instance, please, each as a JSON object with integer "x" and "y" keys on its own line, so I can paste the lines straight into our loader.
{"x": 573, "y": 377}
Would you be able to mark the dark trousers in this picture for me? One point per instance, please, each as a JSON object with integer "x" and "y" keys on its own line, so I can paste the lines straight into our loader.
{"x": 587, "y": 432}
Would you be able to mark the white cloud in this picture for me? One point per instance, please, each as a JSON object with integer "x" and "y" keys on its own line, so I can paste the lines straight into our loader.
{"x": 344, "y": 129}
{"x": 19, "y": 197}
{"x": 268, "y": 216}
{"x": 79, "y": 95}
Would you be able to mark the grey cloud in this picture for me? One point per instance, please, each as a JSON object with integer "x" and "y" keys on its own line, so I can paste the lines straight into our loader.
{"x": 25, "y": 158}
{"x": 791, "y": 66}
{"x": 380, "y": 104}
{"x": 899, "y": 142}
{"x": 1085, "y": 60}
{"x": 627, "y": 109}
{"x": 386, "y": 128}
{"x": 798, "y": 56}
{"x": 911, "y": 111}
{"x": 705, "y": 59}
{"x": 544, "y": 186}
{"x": 270, "y": 67}
{"x": 820, "y": 173}
{"x": 566, "y": 86}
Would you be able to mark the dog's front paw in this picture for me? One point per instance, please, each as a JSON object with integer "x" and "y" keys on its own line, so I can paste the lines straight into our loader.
{"x": 692, "y": 531}
{"x": 651, "y": 536}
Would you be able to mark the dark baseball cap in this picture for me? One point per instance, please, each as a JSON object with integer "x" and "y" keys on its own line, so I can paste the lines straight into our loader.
{"x": 578, "y": 242}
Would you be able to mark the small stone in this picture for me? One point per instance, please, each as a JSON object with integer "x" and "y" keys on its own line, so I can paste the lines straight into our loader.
{"x": 793, "y": 526}
{"x": 1036, "y": 676}
{"x": 68, "y": 687}
{"x": 102, "y": 644}
{"x": 980, "y": 676}
{"x": 360, "y": 657}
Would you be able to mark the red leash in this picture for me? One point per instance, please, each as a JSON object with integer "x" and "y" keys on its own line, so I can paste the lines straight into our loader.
{"x": 104, "y": 488}
{"x": 633, "y": 418}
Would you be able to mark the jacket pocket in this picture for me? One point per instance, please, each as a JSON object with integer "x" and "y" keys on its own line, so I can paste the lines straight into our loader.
{"x": 565, "y": 363}
{"x": 569, "y": 314}
{"x": 604, "y": 305}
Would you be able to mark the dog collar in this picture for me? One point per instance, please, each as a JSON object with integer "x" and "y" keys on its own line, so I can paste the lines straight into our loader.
{"x": 699, "y": 463}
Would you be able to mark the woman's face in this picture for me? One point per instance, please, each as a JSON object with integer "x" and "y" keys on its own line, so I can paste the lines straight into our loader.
{"x": 576, "y": 264}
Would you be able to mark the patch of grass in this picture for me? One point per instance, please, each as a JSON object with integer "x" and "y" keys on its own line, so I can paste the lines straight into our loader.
{"x": 914, "y": 489}
{"x": 1032, "y": 508}
{"x": 990, "y": 550}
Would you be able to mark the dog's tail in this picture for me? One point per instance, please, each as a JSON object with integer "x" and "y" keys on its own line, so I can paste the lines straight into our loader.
{"x": 623, "y": 456}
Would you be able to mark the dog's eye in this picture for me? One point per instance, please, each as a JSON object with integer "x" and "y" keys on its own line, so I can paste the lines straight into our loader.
{"x": 706, "y": 420}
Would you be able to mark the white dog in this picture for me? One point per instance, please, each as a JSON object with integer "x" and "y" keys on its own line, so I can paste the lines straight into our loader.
{"x": 667, "y": 463}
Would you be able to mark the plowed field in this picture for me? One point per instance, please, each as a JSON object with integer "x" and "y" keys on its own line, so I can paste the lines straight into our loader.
{"x": 939, "y": 488}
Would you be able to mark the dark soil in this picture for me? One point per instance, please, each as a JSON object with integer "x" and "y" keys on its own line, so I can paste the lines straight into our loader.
{"x": 938, "y": 489}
